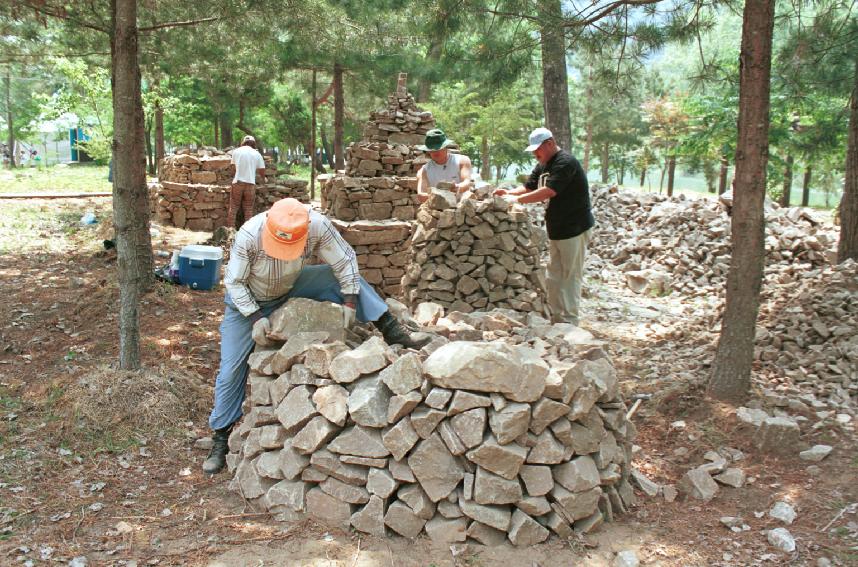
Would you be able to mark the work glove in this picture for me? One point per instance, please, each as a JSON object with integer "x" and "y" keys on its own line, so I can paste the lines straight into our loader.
{"x": 348, "y": 316}
{"x": 261, "y": 329}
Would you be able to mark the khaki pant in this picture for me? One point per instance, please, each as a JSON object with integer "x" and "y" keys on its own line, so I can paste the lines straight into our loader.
{"x": 565, "y": 272}
{"x": 243, "y": 194}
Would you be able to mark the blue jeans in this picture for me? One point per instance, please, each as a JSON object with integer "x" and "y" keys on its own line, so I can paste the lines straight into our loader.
{"x": 236, "y": 343}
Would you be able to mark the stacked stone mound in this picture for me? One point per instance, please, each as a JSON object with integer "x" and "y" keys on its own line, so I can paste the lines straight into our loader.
{"x": 474, "y": 254}
{"x": 370, "y": 198}
{"x": 193, "y": 189}
{"x": 675, "y": 244}
{"x": 487, "y": 441}
{"x": 809, "y": 332}
{"x": 389, "y": 139}
{"x": 375, "y": 203}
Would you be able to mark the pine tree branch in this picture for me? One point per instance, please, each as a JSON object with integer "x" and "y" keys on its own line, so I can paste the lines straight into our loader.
{"x": 186, "y": 23}
{"x": 59, "y": 12}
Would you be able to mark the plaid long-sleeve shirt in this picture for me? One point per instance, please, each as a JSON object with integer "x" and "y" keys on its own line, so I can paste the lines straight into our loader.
{"x": 252, "y": 275}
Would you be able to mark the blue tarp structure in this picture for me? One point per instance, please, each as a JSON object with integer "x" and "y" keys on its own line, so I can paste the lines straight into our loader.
{"x": 76, "y": 135}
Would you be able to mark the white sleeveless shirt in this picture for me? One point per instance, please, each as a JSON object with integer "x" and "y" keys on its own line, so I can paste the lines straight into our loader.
{"x": 448, "y": 172}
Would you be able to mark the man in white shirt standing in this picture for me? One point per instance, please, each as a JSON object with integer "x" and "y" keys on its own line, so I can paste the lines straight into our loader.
{"x": 248, "y": 162}
{"x": 267, "y": 267}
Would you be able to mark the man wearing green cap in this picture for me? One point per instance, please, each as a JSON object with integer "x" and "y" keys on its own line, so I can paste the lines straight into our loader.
{"x": 442, "y": 165}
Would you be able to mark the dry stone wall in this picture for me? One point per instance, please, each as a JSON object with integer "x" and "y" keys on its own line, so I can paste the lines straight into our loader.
{"x": 370, "y": 198}
{"x": 193, "y": 189}
{"x": 474, "y": 254}
{"x": 464, "y": 440}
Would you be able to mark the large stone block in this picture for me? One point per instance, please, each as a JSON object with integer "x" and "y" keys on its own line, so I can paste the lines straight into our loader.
{"x": 359, "y": 441}
{"x": 503, "y": 460}
{"x": 437, "y": 470}
{"x": 306, "y": 315}
{"x": 487, "y": 367}
{"x": 328, "y": 509}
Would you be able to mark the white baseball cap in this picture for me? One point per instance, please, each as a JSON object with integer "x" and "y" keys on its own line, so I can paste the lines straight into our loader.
{"x": 537, "y": 137}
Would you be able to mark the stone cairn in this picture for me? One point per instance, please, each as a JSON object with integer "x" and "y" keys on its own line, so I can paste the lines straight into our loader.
{"x": 374, "y": 204}
{"x": 474, "y": 254}
{"x": 390, "y": 137}
{"x": 193, "y": 190}
{"x": 487, "y": 441}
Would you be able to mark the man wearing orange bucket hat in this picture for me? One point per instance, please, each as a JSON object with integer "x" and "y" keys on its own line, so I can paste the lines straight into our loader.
{"x": 267, "y": 267}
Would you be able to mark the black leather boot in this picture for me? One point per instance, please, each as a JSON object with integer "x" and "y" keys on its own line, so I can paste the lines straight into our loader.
{"x": 217, "y": 456}
{"x": 394, "y": 333}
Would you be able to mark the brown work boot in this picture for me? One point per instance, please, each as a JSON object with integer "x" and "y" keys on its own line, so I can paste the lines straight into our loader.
{"x": 394, "y": 333}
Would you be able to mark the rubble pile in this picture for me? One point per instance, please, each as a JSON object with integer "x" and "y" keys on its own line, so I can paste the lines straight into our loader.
{"x": 808, "y": 333}
{"x": 487, "y": 441}
{"x": 474, "y": 254}
{"x": 675, "y": 244}
{"x": 193, "y": 189}
{"x": 390, "y": 137}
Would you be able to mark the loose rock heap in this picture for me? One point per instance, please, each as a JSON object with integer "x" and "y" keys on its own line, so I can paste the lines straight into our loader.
{"x": 193, "y": 190}
{"x": 389, "y": 138}
{"x": 474, "y": 254}
{"x": 809, "y": 333}
{"x": 676, "y": 244}
{"x": 487, "y": 441}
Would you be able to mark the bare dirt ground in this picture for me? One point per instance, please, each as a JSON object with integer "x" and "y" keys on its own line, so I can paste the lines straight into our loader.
{"x": 115, "y": 477}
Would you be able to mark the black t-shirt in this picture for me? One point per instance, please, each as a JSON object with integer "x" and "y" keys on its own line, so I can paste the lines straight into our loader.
{"x": 568, "y": 212}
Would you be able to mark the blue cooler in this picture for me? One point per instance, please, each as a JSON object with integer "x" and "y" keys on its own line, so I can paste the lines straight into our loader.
{"x": 199, "y": 266}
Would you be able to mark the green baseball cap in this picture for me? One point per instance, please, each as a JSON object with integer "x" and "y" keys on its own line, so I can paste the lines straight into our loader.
{"x": 435, "y": 140}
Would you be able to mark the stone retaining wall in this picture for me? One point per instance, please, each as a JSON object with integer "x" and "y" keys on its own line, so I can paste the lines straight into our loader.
{"x": 482, "y": 441}
{"x": 193, "y": 190}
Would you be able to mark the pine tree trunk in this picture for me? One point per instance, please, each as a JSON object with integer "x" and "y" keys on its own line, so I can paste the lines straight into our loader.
{"x": 485, "y": 159}
{"x": 326, "y": 146}
{"x": 160, "y": 150}
{"x": 643, "y": 177}
{"x": 10, "y": 130}
{"x": 225, "y": 130}
{"x": 787, "y": 188}
{"x": 216, "y": 132}
{"x": 848, "y": 245}
{"x": 433, "y": 56}
{"x": 731, "y": 369}
{"x": 150, "y": 162}
{"x": 555, "y": 87}
{"x": 339, "y": 111}
{"x": 130, "y": 197}
{"x": 722, "y": 175}
{"x": 671, "y": 174}
{"x": 709, "y": 174}
{"x": 604, "y": 159}
{"x": 621, "y": 174}
{"x": 588, "y": 126}
{"x": 805, "y": 187}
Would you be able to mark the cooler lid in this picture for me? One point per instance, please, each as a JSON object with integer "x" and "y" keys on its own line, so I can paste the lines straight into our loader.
{"x": 201, "y": 252}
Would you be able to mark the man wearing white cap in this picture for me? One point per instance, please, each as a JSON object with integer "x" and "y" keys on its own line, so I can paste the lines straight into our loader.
{"x": 248, "y": 162}
{"x": 560, "y": 179}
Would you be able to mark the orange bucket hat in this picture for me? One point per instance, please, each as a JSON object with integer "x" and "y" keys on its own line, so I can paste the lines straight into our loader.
{"x": 286, "y": 229}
